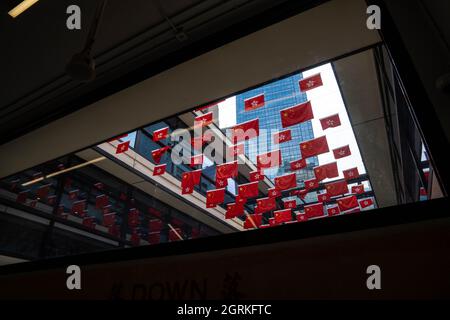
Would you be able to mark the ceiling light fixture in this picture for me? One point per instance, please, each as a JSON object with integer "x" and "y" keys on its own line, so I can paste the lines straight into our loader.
{"x": 21, "y": 7}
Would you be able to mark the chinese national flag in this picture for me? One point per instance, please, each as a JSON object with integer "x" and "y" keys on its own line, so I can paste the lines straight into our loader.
{"x": 160, "y": 134}
{"x": 101, "y": 201}
{"x": 240, "y": 199}
{"x": 364, "y": 203}
{"x": 330, "y": 122}
{"x": 235, "y": 150}
{"x": 109, "y": 219}
{"x": 215, "y": 197}
{"x": 234, "y": 210}
{"x": 245, "y": 131}
{"x": 256, "y": 176}
{"x": 254, "y": 103}
{"x": 155, "y": 225}
{"x": 123, "y": 147}
{"x": 203, "y": 120}
{"x": 253, "y": 221}
{"x": 311, "y": 184}
{"x": 298, "y": 164}
{"x": 158, "y": 153}
{"x": 323, "y": 197}
{"x": 333, "y": 211}
{"x": 227, "y": 170}
{"x": 347, "y": 203}
{"x": 196, "y": 160}
{"x": 159, "y": 170}
{"x": 358, "y": 189}
{"x": 314, "y": 210}
{"x": 311, "y": 82}
{"x": 248, "y": 190}
{"x": 351, "y": 174}
{"x": 42, "y": 191}
{"x": 189, "y": 180}
{"x": 290, "y": 204}
{"x": 314, "y": 147}
{"x": 221, "y": 183}
{"x": 274, "y": 193}
{"x": 268, "y": 160}
{"x": 342, "y": 152}
{"x": 286, "y": 182}
{"x": 325, "y": 171}
{"x": 301, "y": 217}
{"x": 283, "y": 136}
{"x": 266, "y": 204}
{"x": 282, "y": 216}
{"x": 336, "y": 188}
{"x": 297, "y": 114}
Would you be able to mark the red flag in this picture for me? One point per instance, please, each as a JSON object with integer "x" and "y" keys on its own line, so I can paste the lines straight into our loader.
{"x": 221, "y": 183}
{"x": 282, "y": 215}
{"x": 51, "y": 200}
{"x": 198, "y": 142}
{"x": 423, "y": 192}
{"x": 290, "y": 204}
{"x": 240, "y": 200}
{"x": 203, "y": 120}
{"x": 297, "y": 114}
{"x": 333, "y": 211}
{"x": 99, "y": 186}
{"x": 248, "y": 190}
{"x": 342, "y": 152}
{"x": 189, "y": 180}
{"x": 323, "y": 197}
{"x": 325, "y": 171}
{"x": 314, "y": 210}
{"x": 175, "y": 234}
{"x": 114, "y": 230}
{"x": 256, "y": 176}
{"x": 78, "y": 207}
{"x": 234, "y": 210}
{"x": 42, "y": 191}
{"x": 336, "y": 188}
{"x": 351, "y": 174}
{"x": 299, "y": 193}
{"x": 101, "y": 201}
{"x": 254, "y": 102}
{"x": 298, "y": 164}
{"x": 133, "y": 217}
{"x": 227, "y": 170}
{"x": 314, "y": 147}
{"x": 158, "y": 153}
{"x": 272, "y": 222}
{"x": 196, "y": 160}
{"x": 155, "y": 225}
{"x": 154, "y": 237}
{"x": 253, "y": 221}
{"x": 301, "y": 217}
{"x": 159, "y": 170}
{"x": 89, "y": 222}
{"x": 285, "y": 182}
{"x": 73, "y": 194}
{"x": 311, "y": 82}
{"x": 268, "y": 160}
{"x": 123, "y": 147}
{"x": 330, "y": 122}
{"x": 311, "y": 184}
{"x": 358, "y": 189}
{"x": 347, "y": 203}
{"x": 235, "y": 150}
{"x": 364, "y": 203}
{"x": 160, "y": 134}
{"x": 283, "y": 136}
{"x": 215, "y": 197}
{"x": 109, "y": 219}
{"x": 274, "y": 193}
{"x": 266, "y": 204}
{"x": 245, "y": 131}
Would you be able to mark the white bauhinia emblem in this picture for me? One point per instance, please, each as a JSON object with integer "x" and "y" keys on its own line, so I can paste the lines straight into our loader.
{"x": 310, "y": 83}
{"x": 366, "y": 203}
{"x": 330, "y": 122}
{"x": 254, "y": 103}
{"x": 186, "y": 190}
{"x": 351, "y": 174}
{"x": 341, "y": 152}
{"x": 282, "y": 137}
{"x": 297, "y": 165}
{"x": 257, "y": 176}
{"x": 311, "y": 184}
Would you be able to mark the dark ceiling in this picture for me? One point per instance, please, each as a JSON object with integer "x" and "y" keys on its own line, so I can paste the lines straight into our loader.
{"x": 135, "y": 40}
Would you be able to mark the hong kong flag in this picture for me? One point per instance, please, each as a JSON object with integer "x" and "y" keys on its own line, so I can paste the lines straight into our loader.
{"x": 221, "y": 183}
{"x": 215, "y": 197}
{"x": 314, "y": 147}
{"x": 256, "y": 176}
{"x": 330, "y": 122}
{"x": 347, "y": 203}
{"x": 325, "y": 171}
{"x": 254, "y": 102}
{"x": 283, "y": 136}
{"x": 342, "y": 152}
{"x": 235, "y": 150}
{"x": 248, "y": 190}
{"x": 109, "y": 219}
{"x": 158, "y": 153}
{"x": 311, "y": 184}
{"x": 311, "y": 82}
{"x": 290, "y": 204}
{"x": 159, "y": 170}
{"x": 298, "y": 164}
{"x": 301, "y": 217}
{"x": 123, "y": 147}
{"x": 358, "y": 189}
{"x": 189, "y": 180}
{"x": 253, "y": 221}
{"x": 282, "y": 215}
{"x": 234, "y": 210}
{"x": 203, "y": 120}
{"x": 268, "y": 160}
{"x": 324, "y": 197}
{"x": 364, "y": 203}
{"x": 285, "y": 182}
{"x": 336, "y": 188}
{"x": 160, "y": 134}
{"x": 274, "y": 193}
{"x": 245, "y": 131}
{"x": 351, "y": 174}
{"x": 314, "y": 210}
{"x": 297, "y": 114}
{"x": 266, "y": 204}
{"x": 333, "y": 211}
{"x": 227, "y": 170}
{"x": 196, "y": 160}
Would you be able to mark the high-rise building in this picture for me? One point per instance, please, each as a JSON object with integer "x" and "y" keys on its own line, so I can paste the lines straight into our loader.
{"x": 278, "y": 95}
